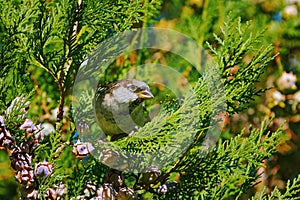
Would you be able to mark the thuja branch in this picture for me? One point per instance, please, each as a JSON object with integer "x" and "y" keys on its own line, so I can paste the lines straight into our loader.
{"x": 66, "y": 66}
{"x": 179, "y": 161}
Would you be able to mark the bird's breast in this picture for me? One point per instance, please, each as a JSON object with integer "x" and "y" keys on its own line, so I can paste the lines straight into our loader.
{"x": 122, "y": 120}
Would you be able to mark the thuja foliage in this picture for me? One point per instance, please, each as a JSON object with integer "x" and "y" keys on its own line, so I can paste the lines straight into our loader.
{"x": 241, "y": 62}
{"x": 292, "y": 192}
{"x": 54, "y": 37}
{"x": 229, "y": 169}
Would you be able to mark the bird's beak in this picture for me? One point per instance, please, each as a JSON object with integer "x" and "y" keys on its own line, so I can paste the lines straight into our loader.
{"x": 144, "y": 94}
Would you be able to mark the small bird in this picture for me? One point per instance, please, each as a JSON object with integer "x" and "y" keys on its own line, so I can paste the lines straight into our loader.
{"x": 119, "y": 106}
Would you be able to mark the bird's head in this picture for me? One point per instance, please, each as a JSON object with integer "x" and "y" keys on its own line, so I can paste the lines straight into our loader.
{"x": 139, "y": 88}
{"x": 127, "y": 91}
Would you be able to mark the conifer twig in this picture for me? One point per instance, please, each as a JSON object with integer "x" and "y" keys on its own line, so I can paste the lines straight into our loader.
{"x": 176, "y": 165}
{"x": 65, "y": 68}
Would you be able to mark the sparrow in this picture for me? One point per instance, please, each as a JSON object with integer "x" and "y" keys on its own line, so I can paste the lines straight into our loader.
{"x": 120, "y": 108}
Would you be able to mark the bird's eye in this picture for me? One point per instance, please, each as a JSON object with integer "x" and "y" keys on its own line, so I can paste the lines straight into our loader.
{"x": 131, "y": 87}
